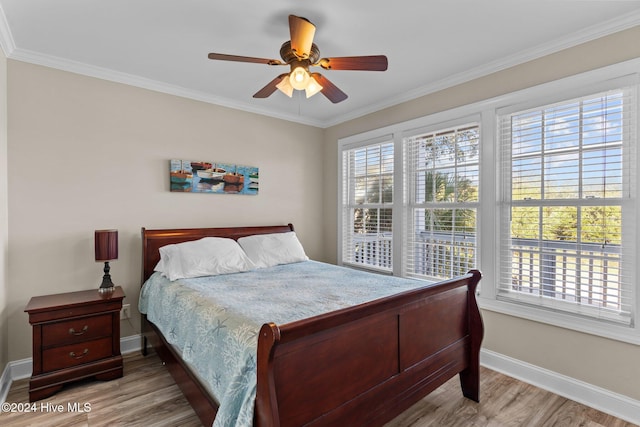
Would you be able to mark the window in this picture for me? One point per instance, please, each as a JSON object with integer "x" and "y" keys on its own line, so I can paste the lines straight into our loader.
{"x": 536, "y": 188}
{"x": 441, "y": 178}
{"x": 568, "y": 173}
{"x": 367, "y": 207}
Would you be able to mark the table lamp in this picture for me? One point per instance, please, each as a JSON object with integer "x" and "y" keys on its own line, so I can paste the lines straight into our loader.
{"x": 106, "y": 250}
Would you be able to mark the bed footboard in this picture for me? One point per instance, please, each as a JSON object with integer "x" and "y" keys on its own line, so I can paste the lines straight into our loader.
{"x": 364, "y": 365}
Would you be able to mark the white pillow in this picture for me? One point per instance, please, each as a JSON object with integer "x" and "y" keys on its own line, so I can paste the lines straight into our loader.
{"x": 267, "y": 250}
{"x": 208, "y": 256}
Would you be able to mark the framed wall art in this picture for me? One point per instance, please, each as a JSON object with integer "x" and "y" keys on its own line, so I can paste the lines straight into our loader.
{"x": 188, "y": 176}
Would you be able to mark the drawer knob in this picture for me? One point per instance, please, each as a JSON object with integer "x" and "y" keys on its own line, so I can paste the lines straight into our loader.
{"x": 79, "y": 356}
{"x": 73, "y": 331}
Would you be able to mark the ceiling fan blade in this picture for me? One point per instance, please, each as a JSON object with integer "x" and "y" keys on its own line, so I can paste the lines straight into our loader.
{"x": 266, "y": 91}
{"x": 236, "y": 58}
{"x": 302, "y": 32}
{"x": 331, "y": 91}
{"x": 362, "y": 63}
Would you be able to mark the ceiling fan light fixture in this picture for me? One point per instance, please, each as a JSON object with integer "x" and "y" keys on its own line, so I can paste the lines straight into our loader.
{"x": 313, "y": 87}
{"x": 299, "y": 78}
{"x": 300, "y": 53}
{"x": 285, "y": 87}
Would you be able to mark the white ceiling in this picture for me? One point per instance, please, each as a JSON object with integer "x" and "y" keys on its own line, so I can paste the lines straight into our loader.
{"x": 163, "y": 45}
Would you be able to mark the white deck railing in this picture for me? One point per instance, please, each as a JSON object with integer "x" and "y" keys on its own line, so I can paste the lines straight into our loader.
{"x": 549, "y": 268}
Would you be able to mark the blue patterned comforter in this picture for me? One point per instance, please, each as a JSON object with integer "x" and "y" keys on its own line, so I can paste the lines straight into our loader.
{"x": 214, "y": 321}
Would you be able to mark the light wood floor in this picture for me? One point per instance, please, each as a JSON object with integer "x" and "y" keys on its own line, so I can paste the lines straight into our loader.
{"x": 147, "y": 396}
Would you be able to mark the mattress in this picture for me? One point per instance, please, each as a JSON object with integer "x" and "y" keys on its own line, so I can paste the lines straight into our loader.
{"x": 214, "y": 321}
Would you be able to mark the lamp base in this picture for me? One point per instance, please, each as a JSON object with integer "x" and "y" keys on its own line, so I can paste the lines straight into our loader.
{"x": 107, "y": 285}
{"x": 106, "y": 290}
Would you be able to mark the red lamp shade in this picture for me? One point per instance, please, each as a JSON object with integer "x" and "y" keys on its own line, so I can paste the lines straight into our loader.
{"x": 106, "y": 245}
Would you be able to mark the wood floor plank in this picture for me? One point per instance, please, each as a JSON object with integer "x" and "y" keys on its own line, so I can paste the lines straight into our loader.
{"x": 147, "y": 396}
{"x": 505, "y": 402}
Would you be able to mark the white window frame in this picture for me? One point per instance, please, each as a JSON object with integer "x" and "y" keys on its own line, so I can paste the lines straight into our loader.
{"x": 488, "y": 214}
{"x": 559, "y": 303}
{"x": 361, "y": 141}
{"x": 348, "y": 203}
{"x": 396, "y": 133}
{"x": 409, "y": 202}
{"x": 612, "y": 77}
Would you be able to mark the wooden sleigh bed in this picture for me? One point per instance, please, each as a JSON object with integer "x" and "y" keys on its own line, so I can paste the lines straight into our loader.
{"x": 406, "y": 345}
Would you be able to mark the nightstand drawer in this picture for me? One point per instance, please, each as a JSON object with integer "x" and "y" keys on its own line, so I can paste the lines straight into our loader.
{"x": 76, "y": 354}
{"x": 76, "y": 335}
{"x": 76, "y": 330}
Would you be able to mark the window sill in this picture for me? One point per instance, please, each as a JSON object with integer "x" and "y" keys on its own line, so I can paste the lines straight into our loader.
{"x": 563, "y": 320}
{"x": 367, "y": 268}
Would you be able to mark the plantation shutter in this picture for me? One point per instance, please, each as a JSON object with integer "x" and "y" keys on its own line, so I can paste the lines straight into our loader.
{"x": 568, "y": 188}
{"x": 441, "y": 190}
{"x": 367, "y": 213}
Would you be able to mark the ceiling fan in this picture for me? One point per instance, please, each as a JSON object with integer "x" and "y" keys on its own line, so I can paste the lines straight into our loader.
{"x": 300, "y": 53}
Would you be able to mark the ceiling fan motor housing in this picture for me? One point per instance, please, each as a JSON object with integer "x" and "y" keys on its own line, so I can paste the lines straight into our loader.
{"x": 289, "y": 55}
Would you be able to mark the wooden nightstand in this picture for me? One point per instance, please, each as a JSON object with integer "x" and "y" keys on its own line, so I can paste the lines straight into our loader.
{"x": 75, "y": 335}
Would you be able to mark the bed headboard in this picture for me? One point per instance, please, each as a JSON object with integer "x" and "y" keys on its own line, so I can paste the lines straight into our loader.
{"x": 153, "y": 240}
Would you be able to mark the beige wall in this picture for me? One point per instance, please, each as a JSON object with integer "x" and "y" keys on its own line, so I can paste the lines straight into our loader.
{"x": 4, "y": 326}
{"x": 602, "y": 362}
{"x": 86, "y": 154}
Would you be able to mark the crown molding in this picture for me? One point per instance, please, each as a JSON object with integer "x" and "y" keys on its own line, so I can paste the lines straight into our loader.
{"x": 590, "y": 33}
{"x": 149, "y": 84}
{"x": 12, "y": 52}
{"x": 6, "y": 38}
{"x": 594, "y": 32}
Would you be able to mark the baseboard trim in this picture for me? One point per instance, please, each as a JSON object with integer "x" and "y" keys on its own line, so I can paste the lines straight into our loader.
{"x": 5, "y": 382}
{"x": 598, "y": 398}
{"x": 20, "y": 369}
{"x": 595, "y": 397}
{"x": 130, "y": 344}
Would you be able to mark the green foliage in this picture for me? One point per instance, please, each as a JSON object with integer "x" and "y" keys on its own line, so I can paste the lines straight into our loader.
{"x": 445, "y": 187}
{"x": 598, "y": 224}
